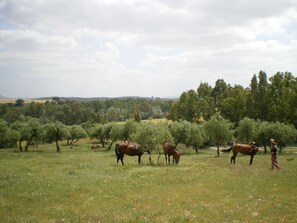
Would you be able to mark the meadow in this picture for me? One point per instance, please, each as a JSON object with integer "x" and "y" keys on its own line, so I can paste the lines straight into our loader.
{"x": 80, "y": 185}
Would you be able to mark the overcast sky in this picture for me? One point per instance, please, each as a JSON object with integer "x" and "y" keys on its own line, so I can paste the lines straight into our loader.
{"x": 96, "y": 48}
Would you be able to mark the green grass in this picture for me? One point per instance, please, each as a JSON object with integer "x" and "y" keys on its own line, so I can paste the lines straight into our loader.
{"x": 80, "y": 185}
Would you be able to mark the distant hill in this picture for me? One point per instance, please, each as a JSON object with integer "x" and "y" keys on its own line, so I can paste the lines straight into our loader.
{"x": 81, "y": 99}
{"x": 3, "y": 97}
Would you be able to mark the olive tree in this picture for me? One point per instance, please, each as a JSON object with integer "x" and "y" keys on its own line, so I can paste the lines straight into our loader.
{"x": 195, "y": 138}
{"x": 8, "y": 136}
{"x": 129, "y": 129}
{"x": 180, "y": 132}
{"x": 28, "y": 131}
{"x": 22, "y": 129}
{"x": 97, "y": 132}
{"x": 77, "y": 132}
{"x": 116, "y": 133}
{"x": 280, "y": 132}
{"x": 56, "y": 131}
{"x": 218, "y": 130}
{"x": 149, "y": 135}
{"x": 247, "y": 130}
{"x": 190, "y": 134}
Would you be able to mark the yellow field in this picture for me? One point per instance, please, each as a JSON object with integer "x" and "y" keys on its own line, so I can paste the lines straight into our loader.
{"x": 158, "y": 120}
{"x": 27, "y": 101}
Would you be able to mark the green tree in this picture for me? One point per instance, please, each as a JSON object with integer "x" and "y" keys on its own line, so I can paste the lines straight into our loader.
{"x": 129, "y": 129}
{"x": 233, "y": 104}
{"x": 56, "y": 131}
{"x": 218, "y": 91}
{"x": 195, "y": 138}
{"x": 28, "y": 131}
{"x": 262, "y": 98}
{"x": 100, "y": 132}
{"x": 23, "y": 130}
{"x": 35, "y": 130}
{"x": 19, "y": 102}
{"x": 186, "y": 107}
{"x": 263, "y": 134}
{"x": 282, "y": 93}
{"x": 13, "y": 114}
{"x": 251, "y": 104}
{"x": 205, "y": 103}
{"x": 8, "y": 136}
{"x": 77, "y": 132}
{"x": 35, "y": 110}
{"x": 136, "y": 115}
{"x": 116, "y": 133}
{"x": 247, "y": 130}
{"x": 149, "y": 135}
{"x": 218, "y": 130}
{"x": 181, "y": 132}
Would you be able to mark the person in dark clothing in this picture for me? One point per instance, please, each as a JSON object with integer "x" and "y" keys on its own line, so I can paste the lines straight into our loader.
{"x": 273, "y": 152}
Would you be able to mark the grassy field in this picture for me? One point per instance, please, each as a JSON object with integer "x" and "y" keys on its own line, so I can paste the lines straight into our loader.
{"x": 80, "y": 185}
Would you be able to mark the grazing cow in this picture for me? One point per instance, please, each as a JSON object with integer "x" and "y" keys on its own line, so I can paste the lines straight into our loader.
{"x": 170, "y": 150}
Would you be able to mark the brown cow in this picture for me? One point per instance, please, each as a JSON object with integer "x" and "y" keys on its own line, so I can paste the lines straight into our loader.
{"x": 171, "y": 150}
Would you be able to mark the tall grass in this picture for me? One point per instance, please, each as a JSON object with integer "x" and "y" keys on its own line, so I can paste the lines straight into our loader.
{"x": 79, "y": 185}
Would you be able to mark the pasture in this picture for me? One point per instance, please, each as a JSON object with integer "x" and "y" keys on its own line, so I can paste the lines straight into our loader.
{"x": 80, "y": 185}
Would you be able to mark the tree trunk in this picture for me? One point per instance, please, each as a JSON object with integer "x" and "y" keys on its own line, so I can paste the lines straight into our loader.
{"x": 218, "y": 150}
{"x": 265, "y": 149}
{"x": 159, "y": 158}
{"x": 109, "y": 147}
{"x": 196, "y": 149}
{"x": 102, "y": 142}
{"x": 73, "y": 142}
{"x": 28, "y": 143}
{"x": 20, "y": 145}
{"x": 57, "y": 146}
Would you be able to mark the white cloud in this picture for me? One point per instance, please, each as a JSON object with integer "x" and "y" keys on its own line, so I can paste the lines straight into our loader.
{"x": 155, "y": 47}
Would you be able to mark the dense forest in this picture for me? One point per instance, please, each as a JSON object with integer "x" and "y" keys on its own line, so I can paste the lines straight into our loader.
{"x": 270, "y": 105}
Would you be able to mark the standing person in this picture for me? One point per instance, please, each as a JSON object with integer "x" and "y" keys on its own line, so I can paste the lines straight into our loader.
{"x": 273, "y": 152}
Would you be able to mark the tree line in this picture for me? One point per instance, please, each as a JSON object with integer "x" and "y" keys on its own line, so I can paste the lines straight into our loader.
{"x": 215, "y": 132}
{"x": 71, "y": 112}
{"x": 273, "y": 101}
{"x": 209, "y": 116}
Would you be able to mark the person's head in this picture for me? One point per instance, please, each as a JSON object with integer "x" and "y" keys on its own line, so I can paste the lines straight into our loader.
{"x": 272, "y": 142}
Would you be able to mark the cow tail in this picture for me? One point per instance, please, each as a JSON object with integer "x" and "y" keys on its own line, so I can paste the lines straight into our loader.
{"x": 227, "y": 150}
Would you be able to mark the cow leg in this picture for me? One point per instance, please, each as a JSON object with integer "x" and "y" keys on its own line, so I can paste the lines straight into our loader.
{"x": 139, "y": 159}
{"x": 165, "y": 158}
